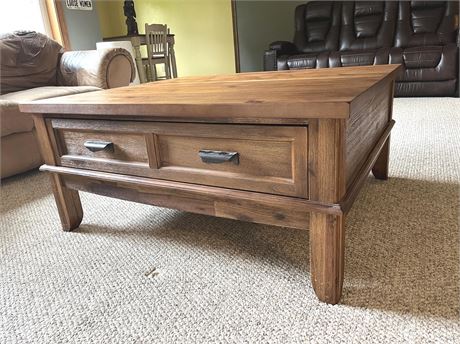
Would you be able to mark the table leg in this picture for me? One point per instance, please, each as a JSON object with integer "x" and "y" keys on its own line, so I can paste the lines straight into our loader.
{"x": 172, "y": 56}
{"x": 67, "y": 200}
{"x": 328, "y": 185}
{"x": 68, "y": 204}
{"x": 135, "y": 41}
{"x": 327, "y": 242}
{"x": 380, "y": 169}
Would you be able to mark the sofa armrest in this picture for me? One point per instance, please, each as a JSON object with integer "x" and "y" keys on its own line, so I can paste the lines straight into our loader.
{"x": 270, "y": 60}
{"x": 283, "y": 47}
{"x": 458, "y": 37}
{"x": 276, "y": 50}
{"x": 104, "y": 68}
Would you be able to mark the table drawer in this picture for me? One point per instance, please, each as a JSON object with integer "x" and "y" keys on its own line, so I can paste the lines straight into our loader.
{"x": 264, "y": 158}
{"x": 270, "y": 159}
{"x": 101, "y": 145}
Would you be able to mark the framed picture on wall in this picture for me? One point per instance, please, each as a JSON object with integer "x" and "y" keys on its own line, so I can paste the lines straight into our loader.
{"x": 85, "y": 5}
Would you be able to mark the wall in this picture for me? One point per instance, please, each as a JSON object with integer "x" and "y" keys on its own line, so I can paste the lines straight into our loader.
{"x": 83, "y": 28}
{"x": 259, "y": 23}
{"x": 203, "y": 29}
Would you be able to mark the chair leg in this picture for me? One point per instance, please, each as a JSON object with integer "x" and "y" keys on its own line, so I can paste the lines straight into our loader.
{"x": 173, "y": 63}
{"x": 167, "y": 68}
{"x": 153, "y": 70}
{"x": 150, "y": 75}
{"x": 146, "y": 72}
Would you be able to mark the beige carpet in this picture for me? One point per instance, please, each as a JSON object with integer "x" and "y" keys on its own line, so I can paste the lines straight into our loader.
{"x": 224, "y": 281}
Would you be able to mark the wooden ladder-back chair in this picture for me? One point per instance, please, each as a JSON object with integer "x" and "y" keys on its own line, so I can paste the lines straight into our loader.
{"x": 157, "y": 48}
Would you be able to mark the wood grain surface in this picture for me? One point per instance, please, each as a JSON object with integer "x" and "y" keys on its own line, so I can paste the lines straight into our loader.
{"x": 368, "y": 120}
{"x": 314, "y": 93}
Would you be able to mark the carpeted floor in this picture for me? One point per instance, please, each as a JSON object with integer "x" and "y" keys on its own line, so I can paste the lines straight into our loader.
{"x": 224, "y": 281}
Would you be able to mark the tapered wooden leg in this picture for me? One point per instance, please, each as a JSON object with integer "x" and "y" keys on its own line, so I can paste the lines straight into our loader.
{"x": 327, "y": 256}
{"x": 380, "y": 169}
{"x": 68, "y": 204}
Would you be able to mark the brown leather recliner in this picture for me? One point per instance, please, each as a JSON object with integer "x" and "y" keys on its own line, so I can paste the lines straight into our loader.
{"x": 420, "y": 35}
{"x": 32, "y": 67}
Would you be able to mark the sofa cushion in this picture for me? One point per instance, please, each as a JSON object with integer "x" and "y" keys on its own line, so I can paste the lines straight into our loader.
{"x": 303, "y": 61}
{"x": 308, "y": 61}
{"x": 425, "y": 88}
{"x": 359, "y": 58}
{"x": 317, "y": 25}
{"x": 28, "y": 60}
{"x": 367, "y": 24}
{"x": 19, "y": 153}
{"x": 13, "y": 121}
{"x": 429, "y": 63}
{"x": 422, "y": 23}
{"x": 422, "y": 57}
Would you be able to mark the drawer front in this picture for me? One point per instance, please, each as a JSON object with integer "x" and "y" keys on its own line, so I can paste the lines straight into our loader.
{"x": 78, "y": 144}
{"x": 270, "y": 159}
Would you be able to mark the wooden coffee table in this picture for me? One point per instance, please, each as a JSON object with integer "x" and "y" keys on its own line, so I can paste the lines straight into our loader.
{"x": 286, "y": 148}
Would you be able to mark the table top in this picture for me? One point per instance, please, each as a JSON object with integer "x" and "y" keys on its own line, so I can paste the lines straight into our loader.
{"x": 312, "y": 93}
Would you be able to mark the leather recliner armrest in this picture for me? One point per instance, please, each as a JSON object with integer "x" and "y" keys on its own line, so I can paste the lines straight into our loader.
{"x": 104, "y": 68}
{"x": 276, "y": 50}
{"x": 283, "y": 47}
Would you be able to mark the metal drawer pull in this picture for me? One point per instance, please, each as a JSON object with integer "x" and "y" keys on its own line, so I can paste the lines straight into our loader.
{"x": 95, "y": 146}
{"x": 218, "y": 157}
